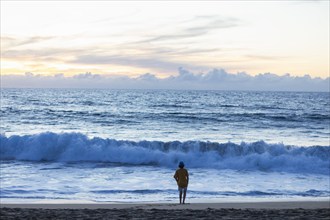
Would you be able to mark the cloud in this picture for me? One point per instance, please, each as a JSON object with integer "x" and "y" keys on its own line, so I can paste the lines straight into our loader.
{"x": 11, "y": 41}
{"x": 216, "y": 79}
{"x": 155, "y": 63}
{"x": 196, "y": 30}
{"x": 39, "y": 54}
{"x": 150, "y": 53}
{"x": 148, "y": 77}
{"x": 218, "y": 23}
{"x": 87, "y": 75}
{"x": 265, "y": 57}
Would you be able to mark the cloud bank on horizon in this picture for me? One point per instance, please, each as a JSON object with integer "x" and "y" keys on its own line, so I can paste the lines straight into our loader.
{"x": 216, "y": 79}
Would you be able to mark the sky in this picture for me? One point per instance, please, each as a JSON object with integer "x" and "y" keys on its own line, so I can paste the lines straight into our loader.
{"x": 156, "y": 42}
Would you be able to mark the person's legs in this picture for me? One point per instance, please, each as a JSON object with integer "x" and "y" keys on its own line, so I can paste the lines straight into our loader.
{"x": 184, "y": 195}
{"x": 180, "y": 196}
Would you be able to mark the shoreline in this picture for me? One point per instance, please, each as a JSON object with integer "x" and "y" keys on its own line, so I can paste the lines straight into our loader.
{"x": 170, "y": 206}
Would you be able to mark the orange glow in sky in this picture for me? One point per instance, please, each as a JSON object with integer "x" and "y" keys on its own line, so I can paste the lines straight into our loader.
{"x": 133, "y": 38}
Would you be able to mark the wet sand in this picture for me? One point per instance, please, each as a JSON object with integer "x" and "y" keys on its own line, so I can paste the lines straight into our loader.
{"x": 253, "y": 210}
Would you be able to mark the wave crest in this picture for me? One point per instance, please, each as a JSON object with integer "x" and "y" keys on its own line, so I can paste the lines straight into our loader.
{"x": 74, "y": 147}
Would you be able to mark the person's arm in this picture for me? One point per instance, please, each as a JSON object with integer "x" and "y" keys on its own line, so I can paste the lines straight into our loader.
{"x": 187, "y": 177}
{"x": 176, "y": 177}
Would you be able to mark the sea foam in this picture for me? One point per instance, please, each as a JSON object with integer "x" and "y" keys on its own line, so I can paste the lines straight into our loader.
{"x": 75, "y": 147}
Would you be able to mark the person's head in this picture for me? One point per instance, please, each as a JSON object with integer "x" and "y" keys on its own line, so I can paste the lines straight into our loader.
{"x": 181, "y": 164}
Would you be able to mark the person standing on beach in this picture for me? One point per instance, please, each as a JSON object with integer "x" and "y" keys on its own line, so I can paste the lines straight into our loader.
{"x": 182, "y": 179}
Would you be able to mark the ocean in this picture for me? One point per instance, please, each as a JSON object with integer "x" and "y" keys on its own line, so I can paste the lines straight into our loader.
{"x": 102, "y": 145}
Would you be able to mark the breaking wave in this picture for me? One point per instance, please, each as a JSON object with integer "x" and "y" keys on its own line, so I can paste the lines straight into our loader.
{"x": 76, "y": 147}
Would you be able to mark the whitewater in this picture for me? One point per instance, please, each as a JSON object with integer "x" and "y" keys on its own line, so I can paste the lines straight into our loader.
{"x": 124, "y": 145}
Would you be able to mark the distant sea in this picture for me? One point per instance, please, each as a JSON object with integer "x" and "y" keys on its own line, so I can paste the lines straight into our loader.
{"x": 124, "y": 145}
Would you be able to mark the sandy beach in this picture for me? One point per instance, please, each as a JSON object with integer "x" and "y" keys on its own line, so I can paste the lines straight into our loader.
{"x": 250, "y": 210}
